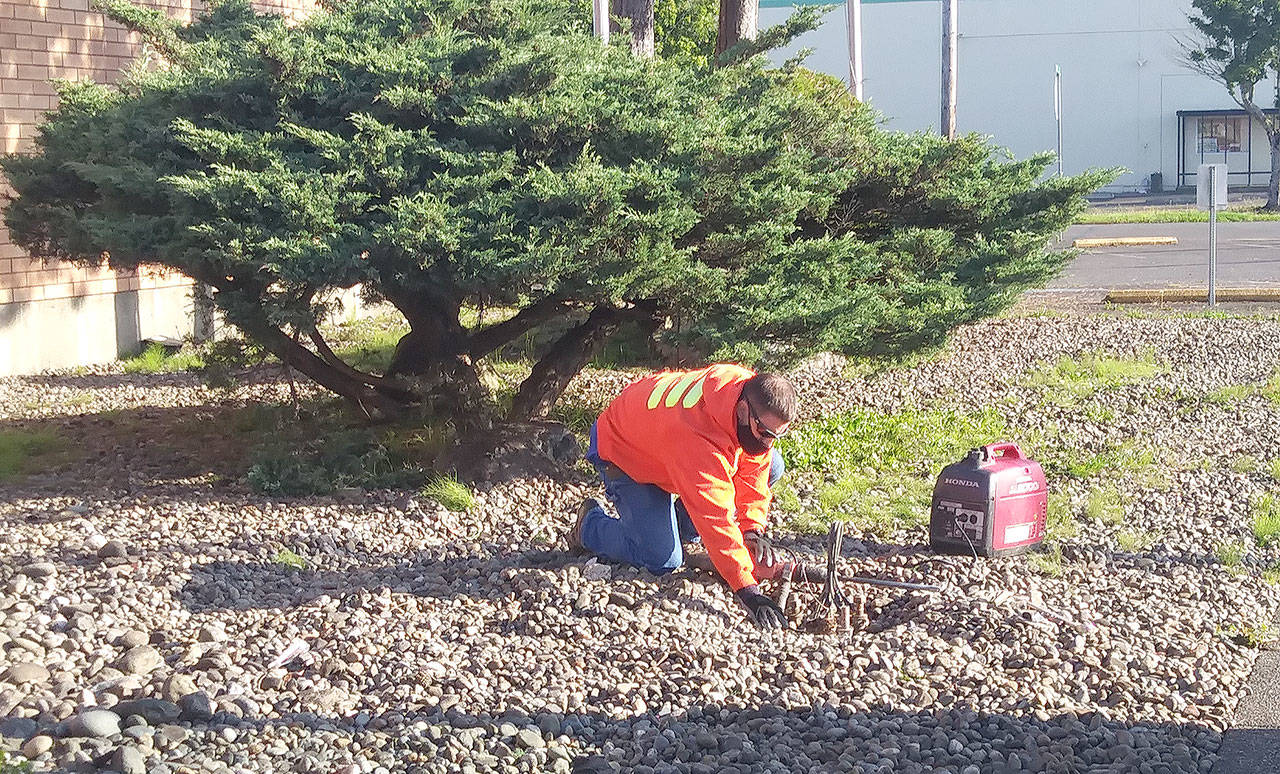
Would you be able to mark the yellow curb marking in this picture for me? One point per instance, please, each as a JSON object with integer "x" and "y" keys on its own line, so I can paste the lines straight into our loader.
{"x": 1176, "y": 295}
{"x": 1125, "y": 241}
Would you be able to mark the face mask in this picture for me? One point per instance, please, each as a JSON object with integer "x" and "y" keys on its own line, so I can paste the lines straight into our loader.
{"x": 748, "y": 441}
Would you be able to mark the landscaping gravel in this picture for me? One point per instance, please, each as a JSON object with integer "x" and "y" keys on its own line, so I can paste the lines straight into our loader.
{"x": 146, "y": 624}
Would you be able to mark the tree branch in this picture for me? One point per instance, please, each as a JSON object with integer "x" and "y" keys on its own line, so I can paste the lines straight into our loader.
{"x": 485, "y": 341}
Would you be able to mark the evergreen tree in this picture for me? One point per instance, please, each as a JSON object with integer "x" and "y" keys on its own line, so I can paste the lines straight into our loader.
{"x": 452, "y": 154}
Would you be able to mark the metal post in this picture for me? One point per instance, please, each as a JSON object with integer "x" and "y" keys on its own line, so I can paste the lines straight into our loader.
{"x": 1213, "y": 235}
{"x": 949, "y": 12}
{"x": 853, "y": 13}
{"x": 1057, "y": 110}
{"x": 600, "y": 19}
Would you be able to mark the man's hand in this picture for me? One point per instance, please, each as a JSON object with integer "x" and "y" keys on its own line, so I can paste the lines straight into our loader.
{"x": 764, "y": 612}
{"x": 760, "y": 547}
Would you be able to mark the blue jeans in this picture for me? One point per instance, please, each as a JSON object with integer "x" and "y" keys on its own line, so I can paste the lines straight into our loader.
{"x": 651, "y": 523}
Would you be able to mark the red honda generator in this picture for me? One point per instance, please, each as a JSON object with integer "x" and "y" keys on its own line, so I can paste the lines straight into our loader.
{"x": 991, "y": 503}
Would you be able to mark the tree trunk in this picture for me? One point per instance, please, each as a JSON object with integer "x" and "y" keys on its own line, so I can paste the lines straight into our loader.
{"x": 435, "y": 334}
{"x": 738, "y": 21}
{"x": 640, "y": 14}
{"x": 569, "y": 355}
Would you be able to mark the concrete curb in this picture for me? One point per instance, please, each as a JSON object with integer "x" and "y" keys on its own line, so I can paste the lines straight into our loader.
{"x": 1125, "y": 241}
{"x": 1190, "y": 295}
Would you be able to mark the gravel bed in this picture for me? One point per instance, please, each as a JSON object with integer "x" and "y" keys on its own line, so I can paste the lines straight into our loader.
{"x": 147, "y": 623}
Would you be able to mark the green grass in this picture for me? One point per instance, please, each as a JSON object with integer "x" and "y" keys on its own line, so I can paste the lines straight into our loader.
{"x": 880, "y": 467}
{"x": 1246, "y": 464}
{"x": 1271, "y": 390}
{"x": 287, "y": 558}
{"x": 1233, "y": 393}
{"x": 785, "y": 498}
{"x": 1071, "y": 379}
{"x": 22, "y": 451}
{"x": 1171, "y": 215}
{"x": 1272, "y": 575}
{"x": 449, "y": 492}
{"x": 367, "y": 344}
{"x": 1253, "y": 634}
{"x": 1060, "y": 522}
{"x": 1123, "y": 460}
{"x": 875, "y": 443}
{"x": 1230, "y": 554}
{"x": 1105, "y": 504}
{"x": 1135, "y": 541}
{"x": 156, "y": 359}
{"x": 1047, "y": 560}
{"x": 1266, "y": 520}
{"x": 1274, "y": 469}
{"x": 1099, "y": 413}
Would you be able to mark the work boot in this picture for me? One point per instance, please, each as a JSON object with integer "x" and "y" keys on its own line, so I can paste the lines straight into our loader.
{"x": 573, "y": 538}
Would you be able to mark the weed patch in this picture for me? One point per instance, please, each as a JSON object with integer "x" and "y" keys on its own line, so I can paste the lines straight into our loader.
{"x": 880, "y": 467}
{"x": 1105, "y": 504}
{"x": 1252, "y": 634}
{"x": 22, "y": 451}
{"x": 288, "y": 558}
{"x": 1271, "y": 390}
{"x": 1266, "y": 520}
{"x": 1060, "y": 522}
{"x": 1246, "y": 464}
{"x": 340, "y": 460}
{"x": 1135, "y": 541}
{"x": 449, "y": 492}
{"x": 1124, "y": 460}
{"x": 1230, "y": 555}
{"x": 1071, "y": 379}
{"x": 158, "y": 359}
{"x": 785, "y": 498}
{"x": 1232, "y": 393}
{"x": 1047, "y": 561}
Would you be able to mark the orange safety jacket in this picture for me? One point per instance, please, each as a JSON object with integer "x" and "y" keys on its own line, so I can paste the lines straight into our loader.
{"x": 677, "y": 430}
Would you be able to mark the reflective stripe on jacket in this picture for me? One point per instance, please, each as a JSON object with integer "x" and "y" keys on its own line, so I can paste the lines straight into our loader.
{"x": 677, "y": 430}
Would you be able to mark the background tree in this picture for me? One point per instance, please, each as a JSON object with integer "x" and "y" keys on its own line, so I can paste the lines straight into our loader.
{"x": 1239, "y": 46}
{"x": 682, "y": 29}
{"x": 489, "y": 169}
{"x": 738, "y": 21}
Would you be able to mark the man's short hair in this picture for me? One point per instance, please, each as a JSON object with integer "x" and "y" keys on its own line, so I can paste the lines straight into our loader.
{"x": 773, "y": 393}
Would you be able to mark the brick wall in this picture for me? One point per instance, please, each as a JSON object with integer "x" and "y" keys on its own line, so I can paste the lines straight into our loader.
{"x": 45, "y": 39}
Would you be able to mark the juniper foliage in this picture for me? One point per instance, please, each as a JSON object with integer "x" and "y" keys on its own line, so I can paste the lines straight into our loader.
{"x": 454, "y": 154}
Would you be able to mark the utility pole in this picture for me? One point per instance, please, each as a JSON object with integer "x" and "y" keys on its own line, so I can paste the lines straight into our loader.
{"x": 853, "y": 14}
{"x": 949, "y": 12}
{"x": 600, "y": 19}
{"x": 1057, "y": 110}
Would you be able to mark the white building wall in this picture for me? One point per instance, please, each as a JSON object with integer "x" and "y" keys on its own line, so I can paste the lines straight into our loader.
{"x": 1122, "y": 79}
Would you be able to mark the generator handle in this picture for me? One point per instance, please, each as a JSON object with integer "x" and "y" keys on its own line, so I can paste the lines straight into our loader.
{"x": 1001, "y": 449}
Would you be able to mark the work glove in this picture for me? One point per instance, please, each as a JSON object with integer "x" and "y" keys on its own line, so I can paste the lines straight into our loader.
{"x": 764, "y": 612}
{"x": 761, "y": 548}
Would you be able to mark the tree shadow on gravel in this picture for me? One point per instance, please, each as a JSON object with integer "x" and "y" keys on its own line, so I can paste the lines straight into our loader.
{"x": 711, "y": 738}
{"x": 238, "y": 585}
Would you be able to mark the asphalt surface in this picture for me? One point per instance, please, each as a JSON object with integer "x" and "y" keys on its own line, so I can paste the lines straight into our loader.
{"x": 1248, "y": 257}
{"x": 1252, "y": 744}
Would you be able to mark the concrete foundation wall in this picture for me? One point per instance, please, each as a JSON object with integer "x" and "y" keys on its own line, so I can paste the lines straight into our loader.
{"x": 67, "y": 332}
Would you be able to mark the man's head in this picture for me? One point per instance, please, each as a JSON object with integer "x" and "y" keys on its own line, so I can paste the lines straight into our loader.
{"x": 764, "y": 412}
